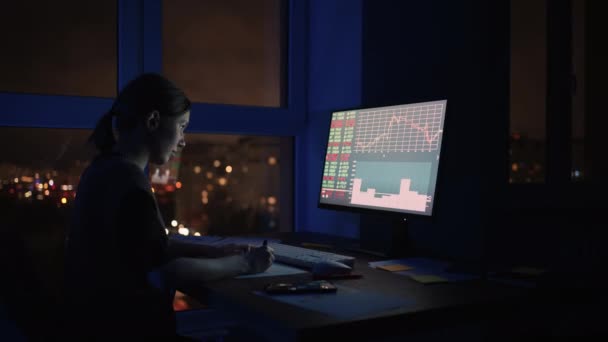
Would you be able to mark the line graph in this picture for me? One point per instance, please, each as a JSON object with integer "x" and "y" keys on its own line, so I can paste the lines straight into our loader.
{"x": 408, "y": 128}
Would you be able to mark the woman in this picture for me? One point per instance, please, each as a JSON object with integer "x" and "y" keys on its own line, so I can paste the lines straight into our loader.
{"x": 117, "y": 241}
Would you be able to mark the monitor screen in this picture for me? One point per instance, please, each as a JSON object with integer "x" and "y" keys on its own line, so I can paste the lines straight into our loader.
{"x": 384, "y": 158}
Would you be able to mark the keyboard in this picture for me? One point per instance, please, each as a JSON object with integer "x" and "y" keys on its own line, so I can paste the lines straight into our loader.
{"x": 305, "y": 257}
{"x": 286, "y": 254}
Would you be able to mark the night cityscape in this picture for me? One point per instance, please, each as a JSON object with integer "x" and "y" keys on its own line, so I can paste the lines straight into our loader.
{"x": 198, "y": 192}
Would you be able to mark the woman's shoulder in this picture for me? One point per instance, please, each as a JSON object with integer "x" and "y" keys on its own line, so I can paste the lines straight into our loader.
{"x": 115, "y": 170}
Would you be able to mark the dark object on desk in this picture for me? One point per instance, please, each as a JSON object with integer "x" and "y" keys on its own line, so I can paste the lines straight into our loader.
{"x": 338, "y": 276}
{"x": 330, "y": 268}
{"x": 316, "y": 286}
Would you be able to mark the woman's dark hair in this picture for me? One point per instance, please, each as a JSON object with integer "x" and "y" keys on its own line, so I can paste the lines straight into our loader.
{"x": 142, "y": 95}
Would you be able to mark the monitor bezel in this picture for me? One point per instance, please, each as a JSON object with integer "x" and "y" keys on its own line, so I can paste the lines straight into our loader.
{"x": 371, "y": 211}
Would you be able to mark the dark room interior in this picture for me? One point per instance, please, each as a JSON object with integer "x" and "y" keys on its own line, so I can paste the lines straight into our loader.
{"x": 520, "y": 189}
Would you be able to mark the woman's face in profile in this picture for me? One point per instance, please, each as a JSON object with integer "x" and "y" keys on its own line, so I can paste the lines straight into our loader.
{"x": 170, "y": 138}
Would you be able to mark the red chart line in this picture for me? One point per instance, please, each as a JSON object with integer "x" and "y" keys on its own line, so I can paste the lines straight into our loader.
{"x": 398, "y": 119}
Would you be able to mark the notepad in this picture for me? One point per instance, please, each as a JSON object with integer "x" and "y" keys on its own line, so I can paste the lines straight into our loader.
{"x": 425, "y": 266}
{"x": 394, "y": 267}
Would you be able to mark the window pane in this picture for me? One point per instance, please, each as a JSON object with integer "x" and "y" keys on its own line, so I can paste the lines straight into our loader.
{"x": 222, "y": 185}
{"x": 228, "y": 52}
{"x": 64, "y": 47}
{"x": 528, "y": 91}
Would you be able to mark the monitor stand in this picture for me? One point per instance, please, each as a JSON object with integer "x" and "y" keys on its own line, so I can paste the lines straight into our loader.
{"x": 384, "y": 235}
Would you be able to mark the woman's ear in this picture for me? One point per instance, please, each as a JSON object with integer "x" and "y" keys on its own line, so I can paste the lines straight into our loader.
{"x": 153, "y": 120}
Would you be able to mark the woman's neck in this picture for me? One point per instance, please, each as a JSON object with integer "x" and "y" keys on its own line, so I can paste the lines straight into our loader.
{"x": 133, "y": 151}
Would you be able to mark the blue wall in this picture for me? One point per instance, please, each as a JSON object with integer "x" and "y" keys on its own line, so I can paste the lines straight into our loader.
{"x": 334, "y": 82}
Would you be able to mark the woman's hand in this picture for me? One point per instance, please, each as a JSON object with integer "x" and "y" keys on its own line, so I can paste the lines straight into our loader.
{"x": 259, "y": 258}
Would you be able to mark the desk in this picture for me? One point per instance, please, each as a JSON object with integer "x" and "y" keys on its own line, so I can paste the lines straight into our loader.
{"x": 474, "y": 309}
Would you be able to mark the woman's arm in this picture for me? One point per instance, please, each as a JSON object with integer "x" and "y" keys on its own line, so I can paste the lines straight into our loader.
{"x": 177, "y": 248}
{"x": 184, "y": 273}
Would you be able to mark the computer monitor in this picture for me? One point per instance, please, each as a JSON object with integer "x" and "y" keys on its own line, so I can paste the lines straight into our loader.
{"x": 384, "y": 158}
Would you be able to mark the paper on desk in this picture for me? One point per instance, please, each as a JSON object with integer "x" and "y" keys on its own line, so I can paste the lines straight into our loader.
{"x": 428, "y": 278}
{"x": 394, "y": 267}
{"x": 425, "y": 266}
{"x": 276, "y": 269}
{"x": 448, "y": 276}
{"x": 345, "y": 303}
{"x": 420, "y": 263}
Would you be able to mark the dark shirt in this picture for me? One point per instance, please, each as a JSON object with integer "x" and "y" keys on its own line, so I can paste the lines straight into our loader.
{"x": 115, "y": 240}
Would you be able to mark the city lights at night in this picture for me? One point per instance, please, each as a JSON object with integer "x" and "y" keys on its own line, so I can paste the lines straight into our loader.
{"x": 197, "y": 192}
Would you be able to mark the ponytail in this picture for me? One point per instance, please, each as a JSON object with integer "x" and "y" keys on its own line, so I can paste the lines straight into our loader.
{"x": 103, "y": 136}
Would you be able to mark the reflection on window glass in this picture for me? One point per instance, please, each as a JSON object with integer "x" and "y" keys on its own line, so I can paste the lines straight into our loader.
{"x": 61, "y": 47}
{"x": 227, "y": 52}
{"x": 528, "y": 92}
{"x": 221, "y": 185}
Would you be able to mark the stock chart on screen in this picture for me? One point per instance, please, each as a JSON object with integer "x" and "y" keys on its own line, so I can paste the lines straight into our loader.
{"x": 384, "y": 158}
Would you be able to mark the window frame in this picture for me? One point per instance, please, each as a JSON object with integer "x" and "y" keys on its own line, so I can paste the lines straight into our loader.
{"x": 139, "y": 46}
{"x": 139, "y": 49}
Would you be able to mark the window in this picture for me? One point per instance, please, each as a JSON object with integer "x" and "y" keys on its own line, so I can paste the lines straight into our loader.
{"x": 81, "y": 51}
{"x": 225, "y": 52}
{"x": 548, "y": 93}
{"x": 220, "y": 184}
{"x": 528, "y": 92}
{"x": 225, "y": 185}
{"x": 65, "y": 47}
